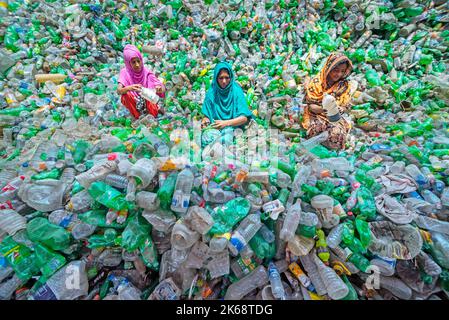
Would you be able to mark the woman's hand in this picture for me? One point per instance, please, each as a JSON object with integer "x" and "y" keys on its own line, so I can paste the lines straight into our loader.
{"x": 220, "y": 124}
{"x": 316, "y": 109}
{"x": 205, "y": 122}
{"x": 134, "y": 87}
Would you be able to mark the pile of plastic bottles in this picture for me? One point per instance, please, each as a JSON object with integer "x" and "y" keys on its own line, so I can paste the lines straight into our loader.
{"x": 94, "y": 205}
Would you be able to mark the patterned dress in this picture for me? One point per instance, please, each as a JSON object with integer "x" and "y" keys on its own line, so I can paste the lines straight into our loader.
{"x": 315, "y": 89}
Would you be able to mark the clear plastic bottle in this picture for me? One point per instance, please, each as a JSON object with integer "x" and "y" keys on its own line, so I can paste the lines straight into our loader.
{"x": 144, "y": 171}
{"x": 429, "y": 266}
{"x": 219, "y": 243}
{"x": 300, "y": 178}
{"x": 147, "y": 200}
{"x": 333, "y": 239}
{"x": 8, "y": 288}
{"x": 116, "y": 181}
{"x": 291, "y": 222}
{"x": 311, "y": 143}
{"x": 219, "y": 265}
{"x": 183, "y": 188}
{"x": 387, "y": 266}
{"x": 11, "y": 222}
{"x": 313, "y": 273}
{"x": 431, "y": 224}
{"x": 80, "y": 202}
{"x": 416, "y": 174}
{"x": 182, "y": 237}
{"x": 126, "y": 291}
{"x": 432, "y": 198}
{"x": 275, "y": 281}
{"x": 266, "y": 234}
{"x": 335, "y": 286}
{"x": 68, "y": 283}
{"x": 396, "y": 286}
{"x": 257, "y": 278}
{"x": 131, "y": 189}
{"x": 246, "y": 230}
{"x": 9, "y": 191}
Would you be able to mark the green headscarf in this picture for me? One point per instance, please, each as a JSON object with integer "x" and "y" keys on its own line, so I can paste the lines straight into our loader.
{"x": 227, "y": 103}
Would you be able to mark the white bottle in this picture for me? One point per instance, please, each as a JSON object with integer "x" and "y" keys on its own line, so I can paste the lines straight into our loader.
{"x": 183, "y": 188}
{"x": 291, "y": 222}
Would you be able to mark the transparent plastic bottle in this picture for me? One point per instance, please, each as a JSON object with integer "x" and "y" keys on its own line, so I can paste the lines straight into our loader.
{"x": 68, "y": 283}
{"x": 116, "y": 181}
{"x": 11, "y": 222}
{"x": 182, "y": 237}
{"x": 432, "y": 198}
{"x": 416, "y": 174}
{"x": 311, "y": 143}
{"x": 8, "y": 288}
{"x": 219, "y": 265}
{"x": 183, "y": 189}
{"x": 9, "y": 191}
{"x": 334, "y": 237}
{"x": 275, "y": 281}
{"x": 246, "y": 230}
{"x": 396, "y": 286}
{"x": 291, "y": 222}
{"x": 147, "y": 200}
{"x": 431, "y": 224}
{"x": 313, "y": 273}
{"x": 80, "y": 202}
{"x": 257, "y": 278}
{"x": 131, "y": 189}
{"x": 429, "y": 266}
{"x": 335, "y": 286}
{"x": 144, "y": 171}
{"x": 126, "y": 291}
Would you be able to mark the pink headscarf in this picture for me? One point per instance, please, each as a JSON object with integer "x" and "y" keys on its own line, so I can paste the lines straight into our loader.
{"x": 128, "y": 76}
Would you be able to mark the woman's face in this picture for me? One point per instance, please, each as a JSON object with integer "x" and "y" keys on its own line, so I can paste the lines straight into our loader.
{"x": 223, "y": 79}
{"x": 338, "y": 72}
{"x": 136, "y": 64}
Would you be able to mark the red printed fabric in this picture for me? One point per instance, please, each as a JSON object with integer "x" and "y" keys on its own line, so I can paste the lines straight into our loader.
{"x": 131, "y": 101}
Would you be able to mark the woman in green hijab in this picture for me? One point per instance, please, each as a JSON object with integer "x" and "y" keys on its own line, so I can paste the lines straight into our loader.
{"x": 225, "y": 104}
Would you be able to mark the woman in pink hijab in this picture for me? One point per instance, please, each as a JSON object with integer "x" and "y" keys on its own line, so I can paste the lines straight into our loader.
{"x": 131, "y": 80}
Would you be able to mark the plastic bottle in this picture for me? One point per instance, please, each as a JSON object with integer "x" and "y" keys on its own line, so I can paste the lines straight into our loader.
{"x": 80, "y": 202}
{"x": 182, "y": 237}
{"x": 11, "y": 222}
{"x": 291, "y": 222}
{"x": 219, "y": 265}
{"x": 257, "y": 278}
{"x": 8, "y": 288}
{"x": 386, "y": 265}
{"x": 126, "y": 291}
{"x": 396, "y": 286}
{"x": 10, "y": 190}
{"x": 430, "y": 224}
{"x": 313, "y": 273}
{"x": 414, "y": 172}
{"x": 68, "y": 283}
{"x": 246, "y": 230}
{"x": 116, "y": 181}
{"x": 335, "y": 286}
{"x": 183, "y": 189}
{"x": 275, "y": 280}
{"x": 143, "y": 171}
{"x": 432, "y": 198}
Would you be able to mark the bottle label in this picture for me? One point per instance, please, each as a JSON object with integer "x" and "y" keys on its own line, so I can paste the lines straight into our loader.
{"x": 44, "y": 293}
{"x": 237, "y": 241}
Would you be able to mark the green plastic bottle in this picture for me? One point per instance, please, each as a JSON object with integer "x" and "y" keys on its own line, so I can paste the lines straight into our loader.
{"x": 53, "y": 236}
{"x": 107, "y": 196}
{"x": 48, "y": 261}
{"x": 165, "y": 193}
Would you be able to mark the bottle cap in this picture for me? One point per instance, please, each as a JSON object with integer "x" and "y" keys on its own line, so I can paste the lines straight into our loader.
{"x": 112, "y": 156}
